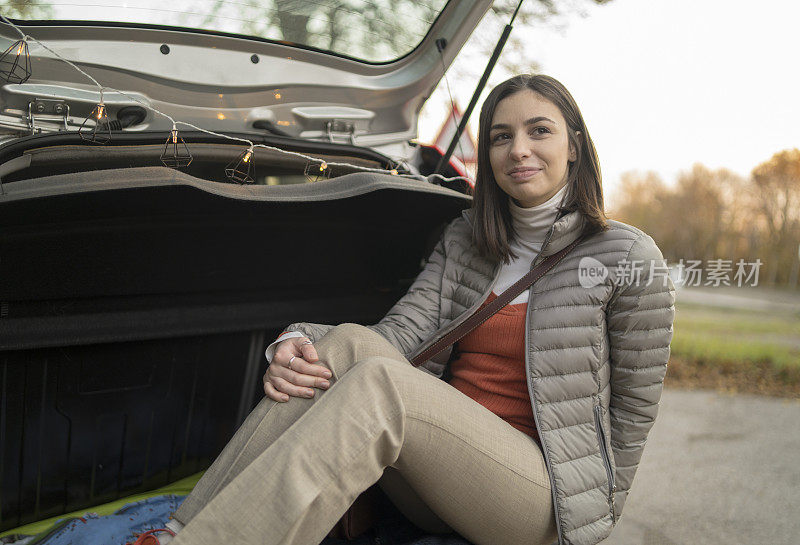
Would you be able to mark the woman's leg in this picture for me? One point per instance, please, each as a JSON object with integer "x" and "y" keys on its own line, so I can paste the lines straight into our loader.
{"x": 480, "y": 475}
{"x": 343, "y": 346}
{"x": 410, "y": 504}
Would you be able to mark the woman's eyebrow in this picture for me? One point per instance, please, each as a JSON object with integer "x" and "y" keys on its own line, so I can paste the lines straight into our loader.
{"x": 530, "y": 121}
{"x": 533, "y": 120}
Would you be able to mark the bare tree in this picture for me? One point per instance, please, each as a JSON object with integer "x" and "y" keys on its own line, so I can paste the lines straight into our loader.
{"x": 777, "y": 182}
{"x": 641, "y": 196}
{"x": 369, "y": 29}
{"x": 516, "y": 58}
{"x": 707, "y": 214}
{"x": 25, "y": 9}
{"x": 717, "y": 214}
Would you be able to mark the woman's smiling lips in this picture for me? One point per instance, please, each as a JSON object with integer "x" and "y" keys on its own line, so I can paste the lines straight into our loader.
{"x": 523, "y": 173}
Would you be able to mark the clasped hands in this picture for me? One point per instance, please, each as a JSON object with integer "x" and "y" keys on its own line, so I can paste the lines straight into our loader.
{"x": 295, "y": 370}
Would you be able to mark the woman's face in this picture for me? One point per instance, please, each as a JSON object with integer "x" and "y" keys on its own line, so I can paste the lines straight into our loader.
{"x": 528, "y": 148}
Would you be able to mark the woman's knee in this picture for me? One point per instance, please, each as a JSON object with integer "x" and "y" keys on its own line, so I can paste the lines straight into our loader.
{"x": 347, "y": 330}
{"x": 347, "y": 344}
{"x": 376, "y": 379}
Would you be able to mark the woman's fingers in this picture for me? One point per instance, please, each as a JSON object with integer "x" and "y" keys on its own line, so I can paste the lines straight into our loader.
{"x": 309, "y": 364}
{"x": 291, "y": 372}
{"x": 302, "y": 367}
{"x": 308, "y": 351}
{"x": 301, "y": 374}
{"x": 283, "y": 385}
{"x": 272, "y": 393}
{"x": 305, "y": 361}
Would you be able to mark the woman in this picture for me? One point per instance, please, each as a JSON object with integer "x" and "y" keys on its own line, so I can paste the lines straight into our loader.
{"x": 537, "y": 435}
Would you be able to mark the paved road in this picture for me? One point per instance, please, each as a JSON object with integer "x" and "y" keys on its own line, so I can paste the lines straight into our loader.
{"x": 761, "y": 299}
{"x": 717, "y": 469}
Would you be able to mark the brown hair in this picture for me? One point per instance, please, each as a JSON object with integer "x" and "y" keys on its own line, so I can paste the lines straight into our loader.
{"x": 492, "y": 229}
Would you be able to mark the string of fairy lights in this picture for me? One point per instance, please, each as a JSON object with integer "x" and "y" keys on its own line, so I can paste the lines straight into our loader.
{"x": 15, "y": 67}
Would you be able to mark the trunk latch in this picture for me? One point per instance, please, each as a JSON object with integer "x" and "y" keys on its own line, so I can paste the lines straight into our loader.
{"x": 47, "y": 107}
{"x": 339, "y": 128}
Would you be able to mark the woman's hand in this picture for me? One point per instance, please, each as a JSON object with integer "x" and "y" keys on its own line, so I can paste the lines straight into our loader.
{"x": 295, "y": 371}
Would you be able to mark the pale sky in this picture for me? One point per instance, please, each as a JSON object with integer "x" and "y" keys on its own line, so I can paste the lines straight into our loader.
{"x": 663, "y": 84}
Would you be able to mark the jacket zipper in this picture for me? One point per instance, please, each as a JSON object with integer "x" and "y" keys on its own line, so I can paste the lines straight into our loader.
{"x": 538, "y": 427}
{"x": 529, "y": 380}
{"x": 601, "y": 437}
{"x": 612, "y": 487}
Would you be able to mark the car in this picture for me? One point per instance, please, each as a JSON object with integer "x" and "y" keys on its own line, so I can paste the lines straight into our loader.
{"x": 177, "y": 193}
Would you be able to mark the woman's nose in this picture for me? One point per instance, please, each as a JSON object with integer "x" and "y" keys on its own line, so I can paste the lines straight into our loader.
{"x": 520, "y": 149}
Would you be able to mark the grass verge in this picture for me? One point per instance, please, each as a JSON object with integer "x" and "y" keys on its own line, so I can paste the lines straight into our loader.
{"x": 735, "y": 351}
{"x": 733, "y": 377}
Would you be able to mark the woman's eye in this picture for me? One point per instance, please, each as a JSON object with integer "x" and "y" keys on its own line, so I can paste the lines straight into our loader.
{"x": 541, "y": 130}
{"x": 499, "y": 137}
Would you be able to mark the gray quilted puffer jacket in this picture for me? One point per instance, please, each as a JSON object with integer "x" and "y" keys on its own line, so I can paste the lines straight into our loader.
{"x": 595, "y": 361}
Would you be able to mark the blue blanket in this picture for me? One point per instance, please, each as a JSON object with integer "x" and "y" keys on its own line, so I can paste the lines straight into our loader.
{"x": 134, "y": 518}
{"x": 117, "y": 529}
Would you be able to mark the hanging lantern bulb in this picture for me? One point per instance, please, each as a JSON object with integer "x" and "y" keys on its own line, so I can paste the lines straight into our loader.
{"x": 316, "y": 172}
{"x": 393, "y": 172}
{"x": 96, "y": 127}
{"x": 242, "y": 169}
{"x": 176, "y": 153}
{"x": 15, "y": 62}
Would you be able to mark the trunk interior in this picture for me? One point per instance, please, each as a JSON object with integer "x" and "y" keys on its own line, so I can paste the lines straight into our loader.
{"x": 135, "y": 306}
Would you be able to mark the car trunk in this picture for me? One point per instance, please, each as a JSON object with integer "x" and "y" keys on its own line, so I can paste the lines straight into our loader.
{"x": 136, "y": 300}
{"x": 136, "y": 303}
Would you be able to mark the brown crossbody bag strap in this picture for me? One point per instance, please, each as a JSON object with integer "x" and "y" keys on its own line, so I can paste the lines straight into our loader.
{"x": 486, "y": 312}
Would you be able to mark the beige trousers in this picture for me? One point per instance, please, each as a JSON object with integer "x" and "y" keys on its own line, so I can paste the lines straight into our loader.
{"x": 293, "y": 468}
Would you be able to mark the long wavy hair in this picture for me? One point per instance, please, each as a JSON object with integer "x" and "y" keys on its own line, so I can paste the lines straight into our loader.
{"x": 492, "y": 228}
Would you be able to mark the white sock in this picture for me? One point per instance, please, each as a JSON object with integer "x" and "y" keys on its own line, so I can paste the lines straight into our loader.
{"x": 174, "y": 525}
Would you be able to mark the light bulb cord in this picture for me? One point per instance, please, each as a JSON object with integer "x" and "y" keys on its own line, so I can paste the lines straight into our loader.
{"x": 25, "y": 37}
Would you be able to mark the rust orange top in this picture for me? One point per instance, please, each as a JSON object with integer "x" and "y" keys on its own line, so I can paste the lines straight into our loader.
{"x": 490, "y": 367}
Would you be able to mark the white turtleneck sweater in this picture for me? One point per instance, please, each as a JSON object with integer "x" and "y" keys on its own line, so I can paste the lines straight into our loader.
{"x": 531, "y": 226}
